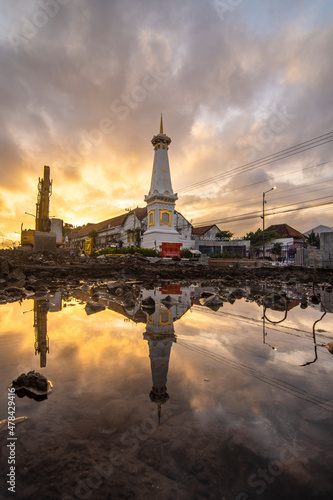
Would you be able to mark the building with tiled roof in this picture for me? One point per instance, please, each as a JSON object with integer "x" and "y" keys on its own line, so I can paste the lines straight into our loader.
{"x": 208, "y": 243}
{"x": 205, "y": 230}
{"x": 285, "y": 231}
{"x": 289, "y": 240}
{"x": 205, "y": 239}
{"x": 84, "y": 230}
{"x": 127, "y": 229}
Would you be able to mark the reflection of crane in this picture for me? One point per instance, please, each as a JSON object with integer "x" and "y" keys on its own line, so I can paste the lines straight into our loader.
{"x": 40, "y": 325}
{"x": 43, "y": 222}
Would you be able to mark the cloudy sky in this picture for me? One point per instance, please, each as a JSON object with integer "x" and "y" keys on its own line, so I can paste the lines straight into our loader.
{"x": 83, "y": 84}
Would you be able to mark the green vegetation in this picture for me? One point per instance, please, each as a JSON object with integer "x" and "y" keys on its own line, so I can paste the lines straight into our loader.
{"x": 66, "y": 228}
{"x": 186, "y": 254}
{"x": 92, "y": 233}
{"x": 257, "y": 239}
{"x": 147, "y": 252}
{"x": 224, "y": 234}
{"x": 276, "y": 249}
{"x": 314, "y": 239}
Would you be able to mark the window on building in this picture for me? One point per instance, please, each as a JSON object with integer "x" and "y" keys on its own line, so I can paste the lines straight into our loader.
{"x": 164, "y": 317}
{"x": 151, "y": 218}
{"x": 165, "y": 217}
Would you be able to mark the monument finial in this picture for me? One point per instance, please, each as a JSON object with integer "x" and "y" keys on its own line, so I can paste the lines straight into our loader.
{"x": 161, "y": 125}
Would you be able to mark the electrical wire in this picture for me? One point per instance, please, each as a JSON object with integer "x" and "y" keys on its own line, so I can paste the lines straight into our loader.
{"x": 249, "y": 166}
{"x": 248, "y": 204}
{"x": 249, "y": 371}
{"x": 261, "y": 182}
{"x": 266, "y": 160}
{"x": 255, "y": 215}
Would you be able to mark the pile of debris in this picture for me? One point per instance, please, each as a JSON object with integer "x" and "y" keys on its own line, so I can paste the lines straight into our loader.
{"x": 23, "y": 275}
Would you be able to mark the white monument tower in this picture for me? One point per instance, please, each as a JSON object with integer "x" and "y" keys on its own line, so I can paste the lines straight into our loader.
{"x": 161, "y": 198}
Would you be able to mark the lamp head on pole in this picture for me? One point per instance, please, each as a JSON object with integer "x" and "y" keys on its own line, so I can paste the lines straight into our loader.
{"x": 275, "y": 187}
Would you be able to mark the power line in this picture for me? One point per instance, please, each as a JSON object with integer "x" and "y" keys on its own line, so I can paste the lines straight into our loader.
{"x": 266, "y": 160}
{"x": 296, "y": 215}
{"x": 232, "y": 204}
{"x": 257, "y": 214}
{"x": 275, "y": 199}
{"x": 265, "y": 180}
{"x": 261, "y": 162}
{"x": 286, "y": 387}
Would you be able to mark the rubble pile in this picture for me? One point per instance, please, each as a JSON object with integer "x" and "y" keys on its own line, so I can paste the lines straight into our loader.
{"x": 25, "y": 275}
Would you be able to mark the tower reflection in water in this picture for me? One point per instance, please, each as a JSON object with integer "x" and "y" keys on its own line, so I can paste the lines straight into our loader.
{"x": 171, "y": 302}
{"x": 41, "y": 308}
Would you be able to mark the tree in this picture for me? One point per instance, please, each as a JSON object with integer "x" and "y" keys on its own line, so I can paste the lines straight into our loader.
{"x": 314, "y": 239}
{"x": 276, "y": 249}
{"x": 92, "y": 234}
{"x": 224, "y": 234}
{"x": 66, "y": 228}
{"x": 256, "y": 238}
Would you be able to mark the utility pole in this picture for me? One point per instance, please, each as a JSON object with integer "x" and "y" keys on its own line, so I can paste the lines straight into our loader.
{"x": 263, "y": 219}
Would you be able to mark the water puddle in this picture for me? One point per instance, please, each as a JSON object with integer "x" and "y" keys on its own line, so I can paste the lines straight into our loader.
{"x": 177, "y": 392}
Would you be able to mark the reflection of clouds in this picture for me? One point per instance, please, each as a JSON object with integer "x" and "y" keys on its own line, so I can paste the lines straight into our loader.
{"x": 100, "y": 365}
{"x": 226, "y": 347}
{"x": 249, "y": 411}
{"x": 80, "y": 347}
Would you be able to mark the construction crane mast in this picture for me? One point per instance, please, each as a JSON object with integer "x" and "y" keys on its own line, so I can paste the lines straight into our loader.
{"x": 48, "y": 234}
{"x": 43, "y": 222}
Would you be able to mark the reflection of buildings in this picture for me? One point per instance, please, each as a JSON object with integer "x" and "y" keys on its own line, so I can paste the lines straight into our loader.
{"x": 170, "y": 304}
{"x": 41, "y": 308}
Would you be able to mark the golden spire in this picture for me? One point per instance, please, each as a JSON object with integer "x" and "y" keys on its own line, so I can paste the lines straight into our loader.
{"x": 161, "y": 125}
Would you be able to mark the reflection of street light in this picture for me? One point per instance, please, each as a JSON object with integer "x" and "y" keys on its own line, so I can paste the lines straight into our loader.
{"x": 264, "y": 335}
{"x": 263, "y": 220}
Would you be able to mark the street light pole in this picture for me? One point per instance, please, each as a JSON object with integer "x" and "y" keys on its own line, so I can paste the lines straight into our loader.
{"x": 263, "y": 220}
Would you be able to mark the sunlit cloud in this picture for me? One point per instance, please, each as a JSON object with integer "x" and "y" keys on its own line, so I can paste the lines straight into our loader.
{"x": 83, "y": 94}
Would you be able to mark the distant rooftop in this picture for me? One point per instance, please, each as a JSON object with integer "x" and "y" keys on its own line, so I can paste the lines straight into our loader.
{"x": 319, "y": 229}
{"x": 285, "y": 231}
{"x": 112, "y": 222}
{"x": 203, "y": 230}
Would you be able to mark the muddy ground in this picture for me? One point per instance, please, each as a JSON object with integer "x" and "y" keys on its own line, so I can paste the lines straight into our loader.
{"x": 180, "y": 460}
{"x": 22, "y": 274}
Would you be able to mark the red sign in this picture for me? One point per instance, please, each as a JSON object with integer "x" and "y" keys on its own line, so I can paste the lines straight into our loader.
{"x": 170, "y": 250}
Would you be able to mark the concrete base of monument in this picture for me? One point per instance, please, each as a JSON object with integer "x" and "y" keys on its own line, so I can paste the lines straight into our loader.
{"x": 155, "y": 238}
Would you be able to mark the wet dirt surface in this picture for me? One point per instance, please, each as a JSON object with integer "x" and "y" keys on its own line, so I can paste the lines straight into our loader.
{"x": 22, "y": 274}
{"x": 239, "y": 419}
